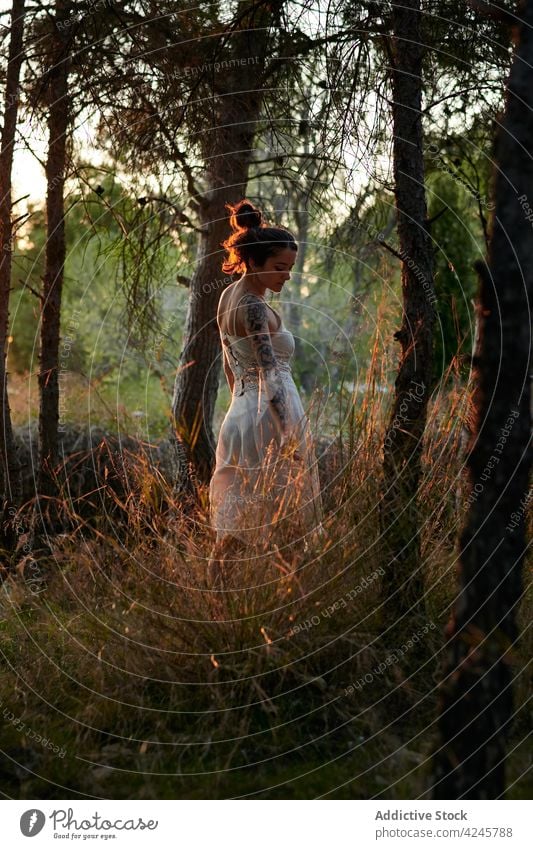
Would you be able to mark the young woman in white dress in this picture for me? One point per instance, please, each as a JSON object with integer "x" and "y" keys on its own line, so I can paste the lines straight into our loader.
{"x": 265, "y": 470}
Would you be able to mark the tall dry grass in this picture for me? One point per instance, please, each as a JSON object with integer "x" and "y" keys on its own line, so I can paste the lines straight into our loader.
{"x": 157, "y": 684}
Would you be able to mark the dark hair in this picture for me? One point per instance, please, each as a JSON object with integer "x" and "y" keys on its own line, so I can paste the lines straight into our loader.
{"x": 252, "y": 238}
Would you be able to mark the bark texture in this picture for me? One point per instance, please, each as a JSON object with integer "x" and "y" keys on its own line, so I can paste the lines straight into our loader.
{"x": 476, "y": 694}
{"x": 10, "y": 469}
{"x": 227, "y": 148}
{"x": 399, "y": 515}
{"x": 58, "y": 128}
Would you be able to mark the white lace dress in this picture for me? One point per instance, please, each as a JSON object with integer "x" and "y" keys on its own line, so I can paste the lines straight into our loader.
{"x": 255, "y": 486}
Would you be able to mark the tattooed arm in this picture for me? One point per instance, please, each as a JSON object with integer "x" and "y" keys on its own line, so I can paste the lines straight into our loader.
{"x": 256, "y": 327}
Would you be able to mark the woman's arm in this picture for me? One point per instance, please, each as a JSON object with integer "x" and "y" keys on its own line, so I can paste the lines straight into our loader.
{"x": 256, "y": 327}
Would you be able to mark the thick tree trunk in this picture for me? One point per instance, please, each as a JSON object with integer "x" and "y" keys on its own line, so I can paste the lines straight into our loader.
{"x": 9, "y": 462}
{"x": 197, "y": 379}
{"x": 227, "y": 151}
{"x": 476, "y": 702}
{"x": 58, "y": 125}
{"x": 399, "y": 516}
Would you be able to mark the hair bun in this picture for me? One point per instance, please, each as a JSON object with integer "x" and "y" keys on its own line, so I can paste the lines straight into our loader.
{"x": 244, "y": 215}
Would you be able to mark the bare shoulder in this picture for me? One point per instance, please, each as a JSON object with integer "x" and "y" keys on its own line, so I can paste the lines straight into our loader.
{"x": 223, "y": 301}
{"x": 225, "y": 294}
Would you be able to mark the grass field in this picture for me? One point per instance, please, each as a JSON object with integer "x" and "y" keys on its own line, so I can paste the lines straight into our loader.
{"x": 125, "y": 674}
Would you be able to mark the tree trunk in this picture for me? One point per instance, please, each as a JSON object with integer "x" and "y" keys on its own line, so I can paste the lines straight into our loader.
{"x": 197, "y": 379}
{"x": 476, "y": 701}
{"x": 399, "y": 516}
{"x": 58, "y": 125}
{"x": 9, "y": 461}
{"x": 227, "y": 152}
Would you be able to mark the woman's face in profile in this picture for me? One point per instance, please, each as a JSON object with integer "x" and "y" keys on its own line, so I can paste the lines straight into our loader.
{"x": 276, "y": 270}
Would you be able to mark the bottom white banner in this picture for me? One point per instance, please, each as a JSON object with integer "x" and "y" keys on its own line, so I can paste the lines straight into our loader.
{"x": 232, "y": 824}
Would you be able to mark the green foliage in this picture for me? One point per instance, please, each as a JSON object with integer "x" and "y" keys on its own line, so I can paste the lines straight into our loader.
{"x": 119, "y": 282}
{"x": 458, "y": 170}
{"x": 28, "y": 259}
{"x": 455, "y": 279}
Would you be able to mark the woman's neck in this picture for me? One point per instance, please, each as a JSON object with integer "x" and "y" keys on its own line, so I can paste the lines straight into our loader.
{"x": 249, "y": 283}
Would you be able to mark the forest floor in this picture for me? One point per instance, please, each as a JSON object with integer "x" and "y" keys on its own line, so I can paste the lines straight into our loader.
{"x": 126, "y": 674}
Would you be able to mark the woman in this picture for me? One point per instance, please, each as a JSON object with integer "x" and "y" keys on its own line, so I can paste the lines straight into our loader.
{"x": 265, "y": 474}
